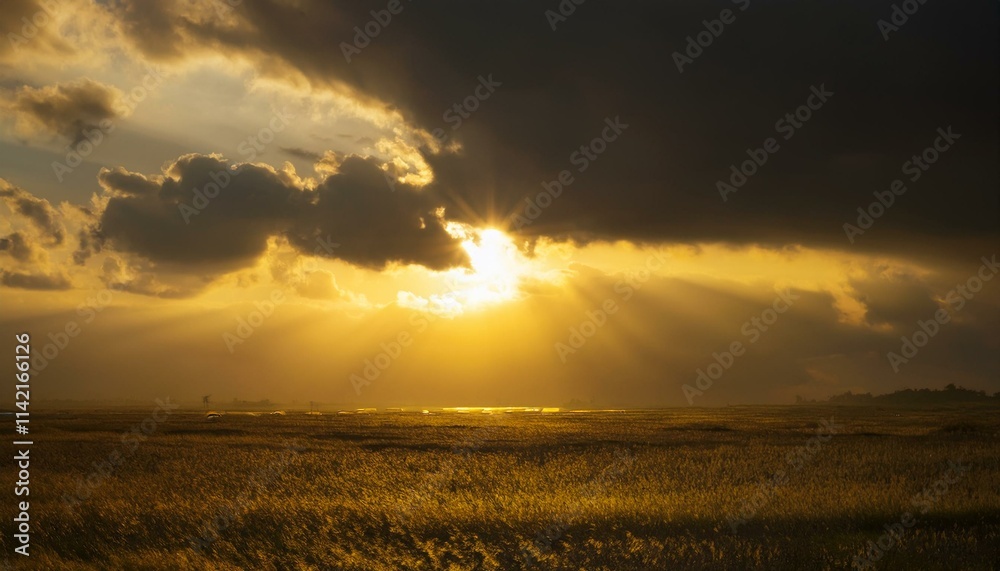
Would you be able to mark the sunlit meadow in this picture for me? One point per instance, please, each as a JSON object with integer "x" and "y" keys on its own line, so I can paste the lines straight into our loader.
{"x": 516, "y": 490}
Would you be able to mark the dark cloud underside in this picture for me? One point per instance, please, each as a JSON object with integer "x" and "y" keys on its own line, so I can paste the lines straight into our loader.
{"x": 657, "y": 182}
{"x": 203, "y": 216}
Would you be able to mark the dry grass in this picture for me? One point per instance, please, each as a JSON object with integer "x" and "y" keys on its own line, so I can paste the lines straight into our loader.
{"x": 565, "y": 491}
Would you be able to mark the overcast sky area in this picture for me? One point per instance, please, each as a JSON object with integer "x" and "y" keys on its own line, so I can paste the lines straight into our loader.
{"x": 500, "y": 204}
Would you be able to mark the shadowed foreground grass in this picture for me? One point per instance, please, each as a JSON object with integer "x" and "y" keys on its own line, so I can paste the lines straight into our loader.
{"x": 678, "y": 489}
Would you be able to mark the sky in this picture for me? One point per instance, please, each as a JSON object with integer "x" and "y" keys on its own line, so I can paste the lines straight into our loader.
{"x": 409, "y": 203}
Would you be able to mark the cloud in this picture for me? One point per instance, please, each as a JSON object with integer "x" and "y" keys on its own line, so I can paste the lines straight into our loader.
{"x": 36, "y": 210}
{"x": 154, "y": 27}
{"x": 30, "y": 253}
{"x": 171, "y": 221}
{"x": 29, "y": 25}
{"x": 319, "y": 284}
{"x": 178, "y": 232}
{"x": 657, "y": 182}
{"x": 302, "y": 153}
{"x": 19, "y": 248}
{"x": 140, "y": 278}
{"x": 895, "y": 302}
{"x": 376, "y": 223}
{"x": 47, "y": 35}
{"x": 68, "y": 110}
{"x": 119, "y": 180}
{"x": 34, "y": 281}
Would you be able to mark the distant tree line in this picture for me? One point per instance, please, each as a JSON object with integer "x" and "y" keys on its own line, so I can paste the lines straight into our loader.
{"x": 950, "y": 394}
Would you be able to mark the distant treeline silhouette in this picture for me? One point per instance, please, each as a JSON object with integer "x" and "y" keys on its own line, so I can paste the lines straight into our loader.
{"x": 950, "y": 394}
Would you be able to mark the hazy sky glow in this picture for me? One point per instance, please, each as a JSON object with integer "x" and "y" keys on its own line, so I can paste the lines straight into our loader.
{"x": 212, "y": 199}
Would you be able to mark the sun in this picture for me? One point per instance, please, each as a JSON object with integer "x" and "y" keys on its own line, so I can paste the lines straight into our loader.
{"x": 493, "y": 255}
{"x": 497, "y": 272}
{"x": 497, "y": 268}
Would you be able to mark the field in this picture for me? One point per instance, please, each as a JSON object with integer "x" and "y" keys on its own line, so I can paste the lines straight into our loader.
{"x": 805, "y": 487}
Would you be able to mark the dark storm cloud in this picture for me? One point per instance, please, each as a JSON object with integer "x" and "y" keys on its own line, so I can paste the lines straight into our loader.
{"x": 37, "y": 210}
{"x": 658, "y": 181}
{"x": 898, "y": 301}
{"x": 201, "y": 217}
{"x": 375, "y": 222}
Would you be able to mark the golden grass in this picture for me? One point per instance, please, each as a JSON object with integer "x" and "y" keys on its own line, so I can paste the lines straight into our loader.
{"x": 643, "y": 490}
